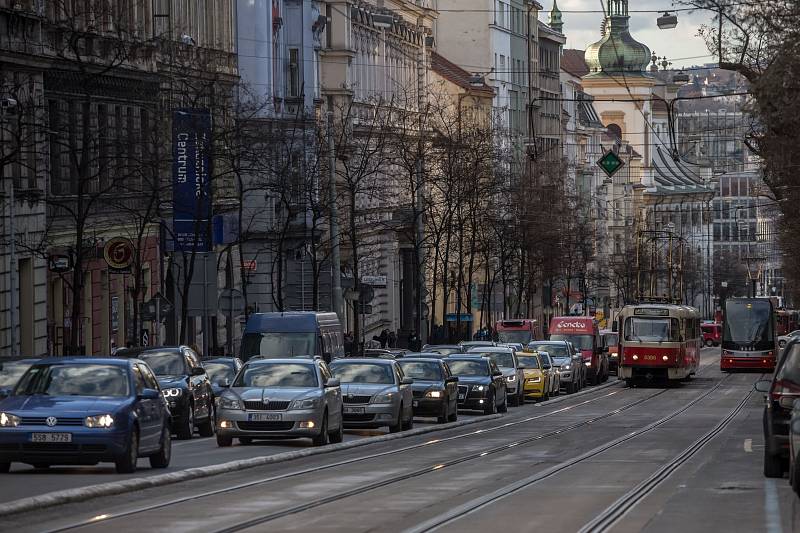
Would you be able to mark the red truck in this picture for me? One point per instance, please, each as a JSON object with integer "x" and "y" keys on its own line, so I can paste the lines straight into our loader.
{"x": 521, "y": 330}
{"x": 584, "y": 333}
{"x": 712, "y": 334}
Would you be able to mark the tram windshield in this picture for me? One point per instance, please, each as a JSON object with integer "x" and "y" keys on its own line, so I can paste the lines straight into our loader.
{"x": 645, "y": 329}
{"x": 748, "y": 321}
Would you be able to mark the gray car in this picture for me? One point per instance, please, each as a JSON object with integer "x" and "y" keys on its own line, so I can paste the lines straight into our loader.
{"x": 295, "y": 397}
{"x": 567, "y": 361}
{"x": 376, "y": 393}
{"x": 513, "y": 373}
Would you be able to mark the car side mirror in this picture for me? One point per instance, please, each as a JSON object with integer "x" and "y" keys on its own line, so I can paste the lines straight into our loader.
{"x": 332, "y": 382}
{"x": 198, "y": 371}
{"x": 224, "y": 382}
{"x": 497, "y": 373}
{"x": 452, "y": 379}
{"x": 406, "y": 381}
{"x": 5, "y": 393}
{"x": 763, "y": 385}
{"x": 546, "y": 366}
{"x": 149, "y": 394}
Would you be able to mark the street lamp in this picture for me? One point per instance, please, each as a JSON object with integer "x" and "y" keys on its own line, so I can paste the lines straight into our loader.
{"x": 667, "y": 21}
{"x": 6, "y": 104}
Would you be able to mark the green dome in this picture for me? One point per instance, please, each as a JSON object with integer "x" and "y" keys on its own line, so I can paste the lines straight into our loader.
{"x": 617, "y": 52}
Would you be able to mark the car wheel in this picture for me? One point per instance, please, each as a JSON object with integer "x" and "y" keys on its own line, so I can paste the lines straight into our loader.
{"x": 223, "y": 441}
{"x": 127, "y": 463}
{"x": 186, "y": 428}
{"x": 338, "y": 436}
{"x": 5, "y": 468}
{"x": 773, "y": 464}
{"x": 245, "y": 441}
{"x": 206, "y": 429}
{"x": 709, "y": 343}
{"x": 322, "y": 438}
{"x": 162, "y": 458}
{"x": 398, "y": 427}
{"x": 491, "y": 407}
{"x": 409, "y": 424}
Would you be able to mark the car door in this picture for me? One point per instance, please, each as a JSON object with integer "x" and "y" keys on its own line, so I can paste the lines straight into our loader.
{"x": 405, "y": 390}
{"x": 450, "y": 386}
{"x": 162, "y": 416}
{"x": 499, "y": 383}
{"x": 520, "y": 374}
{"x": 146, "y": 410}
{"x": 199, "y": 386}
{"x": 333, "y": 397}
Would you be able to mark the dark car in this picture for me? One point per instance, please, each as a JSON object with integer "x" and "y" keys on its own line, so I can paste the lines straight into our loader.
{"x": 85, "y": 410}
{"x": 481, "y": 385}
{"x": 781, "y": 391}
{"x": 794, "y": 447}
{"x": 444, "y": 349}
{"x": 385, "y": 353}
{"x": 221, "y": 371}
{"x": 435, "y": 389}
{"x": 11, "y": 369}
{"x": 184, "y": 383}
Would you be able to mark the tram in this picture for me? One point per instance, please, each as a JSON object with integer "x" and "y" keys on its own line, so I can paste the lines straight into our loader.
{"x": 748, "y": 335}
{"x": 658, "y": 341}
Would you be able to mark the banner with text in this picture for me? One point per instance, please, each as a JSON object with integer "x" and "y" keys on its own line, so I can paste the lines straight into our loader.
{"x": 191, "y": 183}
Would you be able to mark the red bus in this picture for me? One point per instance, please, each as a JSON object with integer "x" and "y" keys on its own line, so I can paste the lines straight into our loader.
{"x": 520, "y": 330}
{"x": 658, "y": 341}
{"x": 748, "y": 335}
{"x": 584, "y": 334}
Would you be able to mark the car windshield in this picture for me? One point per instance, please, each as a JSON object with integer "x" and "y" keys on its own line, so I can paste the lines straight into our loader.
{"x": 363, "y": 373}
{"x": 528, "y": 361}
{"x": 612, "y": 339}
{"x": 74, "y": 380}
{"x": 422, "y": 370}
{"x": 748, "y": 321}
{"x": 277, "y": 375}
{"x": 165, "y": 363}
{"x": 219, "y": 372}
{"x": 520, "y": 336}
{"x": 468, "y": 368}
{"x": 581, "y": 342}
{"x": 278, "y": 344}
{"x": 556, "y": 350}
{"x": 503, "y": 359}
{"x": 12, "y": 371}
{"x": 643, "y": 329}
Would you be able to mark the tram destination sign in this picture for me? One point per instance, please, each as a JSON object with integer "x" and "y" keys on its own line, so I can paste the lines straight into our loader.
{"x": 650, "y": 311}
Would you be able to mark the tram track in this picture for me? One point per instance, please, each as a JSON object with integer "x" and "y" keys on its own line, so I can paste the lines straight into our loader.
{"x": 109, "y": 517}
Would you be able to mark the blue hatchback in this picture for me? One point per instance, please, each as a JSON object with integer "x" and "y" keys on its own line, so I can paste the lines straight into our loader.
{"x": 82, "y": 410}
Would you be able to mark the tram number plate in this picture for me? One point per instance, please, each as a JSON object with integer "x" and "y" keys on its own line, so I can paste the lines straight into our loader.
{"x": 51, "y": 437}
{"x": 650, "y": 357}
{"x": 264, "y": 417}
{"x": 354, "y": 410}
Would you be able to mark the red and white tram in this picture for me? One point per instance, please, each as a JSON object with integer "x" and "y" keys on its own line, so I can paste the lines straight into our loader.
{"x": 658, "y": 341}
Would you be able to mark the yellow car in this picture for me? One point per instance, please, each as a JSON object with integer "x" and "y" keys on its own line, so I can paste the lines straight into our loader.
{"x": 537, "y": 381}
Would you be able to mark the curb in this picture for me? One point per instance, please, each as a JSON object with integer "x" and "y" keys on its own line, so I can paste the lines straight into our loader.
{"x": 112, "y": 488}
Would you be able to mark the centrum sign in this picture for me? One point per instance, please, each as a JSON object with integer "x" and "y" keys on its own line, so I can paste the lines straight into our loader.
{"x": 191, "y": 184}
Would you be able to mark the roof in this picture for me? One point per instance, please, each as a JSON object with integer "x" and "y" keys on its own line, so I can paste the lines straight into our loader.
{"x": 363, "y": 360}
{"x": 673, "y": 176}
{"x": 587, "y": 115}
{"x": 135, "y": 352}
{"x": 573, "y": 61}
{"x": 85, "y": 360}
{"x": 295, "y": 321}
{"x": 457, "y": 75}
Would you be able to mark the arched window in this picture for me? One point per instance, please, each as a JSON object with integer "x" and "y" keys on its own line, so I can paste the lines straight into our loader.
{"x": 615, "y": 130}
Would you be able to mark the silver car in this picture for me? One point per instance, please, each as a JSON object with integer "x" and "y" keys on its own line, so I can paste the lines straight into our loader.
{"x": 568, "y": 363}
{"x": 513, "y": 373}
{"x": 376, "y": 393}
{"x": 295, "y": 397}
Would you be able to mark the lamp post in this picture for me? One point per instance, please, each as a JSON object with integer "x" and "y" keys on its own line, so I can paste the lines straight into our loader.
{"x": 667, "y": 21}
{"x": 6, "y": 104}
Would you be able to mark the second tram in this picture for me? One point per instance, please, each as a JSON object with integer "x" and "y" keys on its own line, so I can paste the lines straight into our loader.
{"x": 748, "y": 335}
{"x": 658, "y": 341}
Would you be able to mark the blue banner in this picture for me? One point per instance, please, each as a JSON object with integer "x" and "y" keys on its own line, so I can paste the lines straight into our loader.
{"x": 191, "y": 182}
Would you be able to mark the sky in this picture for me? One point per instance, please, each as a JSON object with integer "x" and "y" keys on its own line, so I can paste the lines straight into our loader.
{"x": 582, "y": 29}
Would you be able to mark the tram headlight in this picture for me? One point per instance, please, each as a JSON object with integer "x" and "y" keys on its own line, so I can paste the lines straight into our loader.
{"x": 635, "y": 357}
{"x": 665, "y": 357}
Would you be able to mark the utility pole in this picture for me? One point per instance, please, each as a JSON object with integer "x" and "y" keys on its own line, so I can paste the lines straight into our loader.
{"x": 420, "y": 236}
{"x": 8, "y": 103}
{"x": 336, "y": 261}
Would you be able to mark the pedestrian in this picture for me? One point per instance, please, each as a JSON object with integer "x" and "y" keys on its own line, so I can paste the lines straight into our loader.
{"x": 413, "y": 341}
{"x": 392, "y": 339}
{"x": 348, "y": 344}
{"x": 384, "y": 338}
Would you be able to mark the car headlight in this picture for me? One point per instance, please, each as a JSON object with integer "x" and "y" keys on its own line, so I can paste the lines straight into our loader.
{"x": 7, "y": 420}
{"x": 535, "y": 379}
{"x": 99, "y": 421}
{"x": 434, "y": 394}
{"x": 305, "y": 403}
{"x": 587, "y": 363}
{"x": 614, "y": 355}
{"x": 565, "y": 367}
{"x": 511, "y": 379}
{"x": 386, "y": 397}
{"x": 227, "y": 402}
{"x": 479, "y": 388}
{"x": 171, "y": 393}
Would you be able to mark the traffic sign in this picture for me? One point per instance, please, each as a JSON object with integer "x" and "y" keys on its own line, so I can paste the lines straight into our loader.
{"x": 145, "y": 338}
{"x": 610, "y": 163}
{"x": 230, "y": 302}
{"x": 365, "y": 294}
{"x": 59, "y": 263}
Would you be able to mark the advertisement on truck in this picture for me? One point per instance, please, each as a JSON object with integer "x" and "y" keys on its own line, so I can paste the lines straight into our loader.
{"x": 584, "y": 334}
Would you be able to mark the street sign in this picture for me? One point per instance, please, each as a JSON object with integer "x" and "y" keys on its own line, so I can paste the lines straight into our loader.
{"x": 375, "y": 281}
{"x": 145, "y": 338}
{"x": 59, "y": 263}
{"x": 366, "y": 294}
{"x": 250, "y": 265}
{"x": 350, "y": 294}
{"x": 118, "y": 253}
{"x": 230, "y": 302}
{"x": 610, "y": 163}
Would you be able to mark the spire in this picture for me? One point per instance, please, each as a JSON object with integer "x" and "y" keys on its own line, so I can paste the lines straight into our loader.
{"x": 555, "y": 21}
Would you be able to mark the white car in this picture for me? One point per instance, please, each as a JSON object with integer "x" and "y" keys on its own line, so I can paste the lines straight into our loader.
{"x": 783, "y": 340}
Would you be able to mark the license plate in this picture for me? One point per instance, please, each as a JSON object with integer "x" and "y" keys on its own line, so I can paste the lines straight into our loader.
{"x": 416, "y": 403}
{"x": 51, "y": 437}
{"x": 462, "y": 396}
{"x": 354, "y": 410}
{"x": 263, "y": 417}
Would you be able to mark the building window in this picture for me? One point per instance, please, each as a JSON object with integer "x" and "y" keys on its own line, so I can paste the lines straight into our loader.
{"x": 293, "y": 78}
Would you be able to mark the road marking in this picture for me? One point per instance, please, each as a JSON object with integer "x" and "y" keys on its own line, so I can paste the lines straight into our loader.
{"x": 772, "y": 507}
{"x": 748, "y": 445}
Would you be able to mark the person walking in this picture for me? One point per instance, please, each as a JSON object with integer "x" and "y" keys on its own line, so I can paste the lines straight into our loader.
{"x": 392, "y": 339}
{"x": 384, "y": 338}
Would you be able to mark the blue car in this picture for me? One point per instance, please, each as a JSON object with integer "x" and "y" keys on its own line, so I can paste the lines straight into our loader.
{"x": 83, "y": 411}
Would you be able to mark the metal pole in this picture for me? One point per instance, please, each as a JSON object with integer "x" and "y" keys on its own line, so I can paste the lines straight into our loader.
{"x": 12, "y": 249}
{"x": 338, "y": 308}
{"x": 420, "y": 236}
{"x": 157, "y": 328}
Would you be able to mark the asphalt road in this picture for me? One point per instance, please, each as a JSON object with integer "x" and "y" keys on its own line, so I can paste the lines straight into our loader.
{"x": 685, "y": 458}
